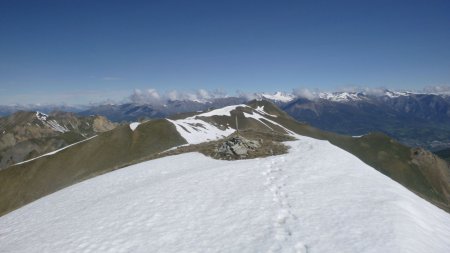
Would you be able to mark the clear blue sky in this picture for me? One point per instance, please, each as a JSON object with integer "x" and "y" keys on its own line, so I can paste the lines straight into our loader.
{"x": 77, "y": 51}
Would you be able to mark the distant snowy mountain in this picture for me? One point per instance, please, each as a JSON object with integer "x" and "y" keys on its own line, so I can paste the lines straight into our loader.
{"x": 316, "y": 198}
{"x": 341, "y": 96}
{"x": 348, "y": 97}
{"x": 415, "y": 119}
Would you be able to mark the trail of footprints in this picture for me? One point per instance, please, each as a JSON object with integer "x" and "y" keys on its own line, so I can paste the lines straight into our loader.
{"x": 283, "y": 235}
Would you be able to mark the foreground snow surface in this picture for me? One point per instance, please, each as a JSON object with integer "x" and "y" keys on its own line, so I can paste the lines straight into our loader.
{"x": 317, "y": 198}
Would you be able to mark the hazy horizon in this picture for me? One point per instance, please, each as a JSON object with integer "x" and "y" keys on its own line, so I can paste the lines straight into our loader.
{"x": 153, "y": 96}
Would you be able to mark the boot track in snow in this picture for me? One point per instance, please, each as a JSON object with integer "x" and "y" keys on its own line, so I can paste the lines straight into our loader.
{"x": 284, "y": 237}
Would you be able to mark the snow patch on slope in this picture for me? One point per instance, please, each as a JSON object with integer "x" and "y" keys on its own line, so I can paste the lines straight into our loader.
{"x": 225, "y": 111}
{"x": 317, "y": 198}
{"x": 134, "y": 125}
{"x": 51, "y": 123}
{"x": 56, "y": 151}
{"x": 260, "y": 109}
{"x": 195, "y": 130}
{"x": 261, "y": 119}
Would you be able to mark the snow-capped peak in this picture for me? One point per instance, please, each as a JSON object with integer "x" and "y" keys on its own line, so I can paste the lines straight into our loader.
{"x": 279, "y": 97}
{"x": 341, "y": 96}
{"x": 41, "y": 116}
{"x": 350, "y": 96}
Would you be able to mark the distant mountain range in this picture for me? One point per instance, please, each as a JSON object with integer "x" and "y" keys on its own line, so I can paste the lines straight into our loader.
{"x": 415, "y": 119}
{"x": 135, "y": 112}
{"x": 6, "y": 110}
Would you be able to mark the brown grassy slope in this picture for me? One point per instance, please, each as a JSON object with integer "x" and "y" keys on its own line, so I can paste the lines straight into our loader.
{"x": 24, "y": 183}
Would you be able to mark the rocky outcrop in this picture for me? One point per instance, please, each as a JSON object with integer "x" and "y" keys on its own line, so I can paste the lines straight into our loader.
{"x": 102, "y": 124}
{"x": 237, "y": 146}
{"x": 436, "y": 170}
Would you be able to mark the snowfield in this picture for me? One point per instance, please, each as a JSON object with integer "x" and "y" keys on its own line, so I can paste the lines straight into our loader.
{"x": 317, "y": 198}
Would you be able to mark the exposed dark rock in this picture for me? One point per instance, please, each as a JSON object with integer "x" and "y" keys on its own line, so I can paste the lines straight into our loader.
{"x": 237, "y": 146}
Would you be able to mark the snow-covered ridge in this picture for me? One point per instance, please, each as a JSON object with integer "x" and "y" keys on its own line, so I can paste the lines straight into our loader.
{"x": 317, "y": 198}
{"x": 51, "y": 123}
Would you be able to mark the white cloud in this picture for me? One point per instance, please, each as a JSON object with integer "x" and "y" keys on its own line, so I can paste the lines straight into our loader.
{"x": 173, "y": 95}
{"x": 201, "y": 93}
{"x": 152, "y": 96}
{"x": 305, "y": 93}
{"x": 437, "y": 89}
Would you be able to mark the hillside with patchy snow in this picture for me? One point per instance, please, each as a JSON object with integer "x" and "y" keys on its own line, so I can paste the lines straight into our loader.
{"x": 316, "y": 198}
{"x": 27, "y": 135}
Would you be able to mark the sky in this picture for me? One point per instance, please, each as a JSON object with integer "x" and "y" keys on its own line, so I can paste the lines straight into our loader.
{"x": 84, "y": 51}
